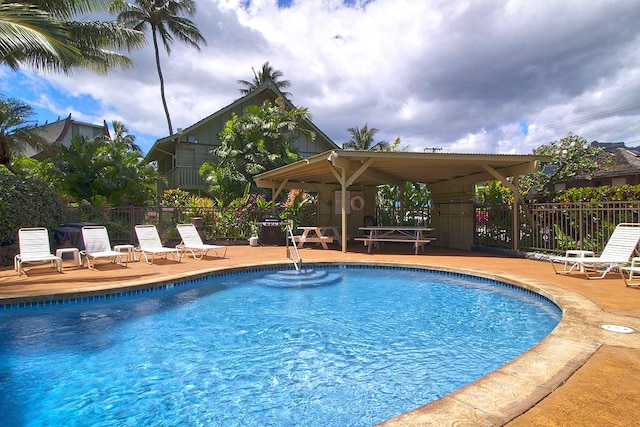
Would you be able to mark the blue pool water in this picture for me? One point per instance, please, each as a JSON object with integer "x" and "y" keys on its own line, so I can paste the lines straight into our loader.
{"x": 338, "y": 346}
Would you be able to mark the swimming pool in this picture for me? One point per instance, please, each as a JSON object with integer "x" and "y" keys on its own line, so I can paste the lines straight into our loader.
{"x": 343, "y": 345}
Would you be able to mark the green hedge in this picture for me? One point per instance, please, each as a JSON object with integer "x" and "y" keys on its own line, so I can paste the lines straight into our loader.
{"x": 26, "y": 202}
{"x": 618, "y": 193}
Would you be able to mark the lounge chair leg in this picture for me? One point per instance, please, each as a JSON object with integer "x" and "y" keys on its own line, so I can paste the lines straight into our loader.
{"x": 602, "y": 276}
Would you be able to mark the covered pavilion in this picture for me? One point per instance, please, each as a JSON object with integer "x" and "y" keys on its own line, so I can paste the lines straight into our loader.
{"x": 339, "y": 176}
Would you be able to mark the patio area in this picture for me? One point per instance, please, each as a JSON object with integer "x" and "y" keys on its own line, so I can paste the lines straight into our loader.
{"x": 580, "y": 375}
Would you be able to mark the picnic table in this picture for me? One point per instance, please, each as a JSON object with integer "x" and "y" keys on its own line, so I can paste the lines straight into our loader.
{"x": 416, "y": 235}
{"x": 318, "y": 234}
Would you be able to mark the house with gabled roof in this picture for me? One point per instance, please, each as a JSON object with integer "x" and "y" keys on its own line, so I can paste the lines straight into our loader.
{"x": 180, "y": 156}
{"x": 62, "y": 131}
{"x": 622, "y": 169}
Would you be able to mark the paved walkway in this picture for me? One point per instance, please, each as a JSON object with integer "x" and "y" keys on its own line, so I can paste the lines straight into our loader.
{"x": 580, "y": 375}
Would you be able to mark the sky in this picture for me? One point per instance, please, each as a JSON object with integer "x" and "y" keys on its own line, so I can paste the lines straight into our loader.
{"x": 477, "y": 76}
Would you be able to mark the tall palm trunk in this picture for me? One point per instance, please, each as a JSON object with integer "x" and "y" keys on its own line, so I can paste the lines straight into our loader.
{"x": 164, "y": 99}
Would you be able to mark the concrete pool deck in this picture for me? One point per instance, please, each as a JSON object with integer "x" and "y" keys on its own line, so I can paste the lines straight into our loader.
{"x": 580, "y": 375}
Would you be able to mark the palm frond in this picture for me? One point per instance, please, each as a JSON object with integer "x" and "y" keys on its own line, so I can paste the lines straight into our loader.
{"x": 26, "y": 31}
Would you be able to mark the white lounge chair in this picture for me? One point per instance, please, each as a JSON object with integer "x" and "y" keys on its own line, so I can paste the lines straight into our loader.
{"x": 633, "y": 271}
{"x": 34, "y": 248}
{"x": 150, "y": 244}
{"x": 616, "y": 254}
{"x": 97, "y": 245}
{"x": 191, "y": 242}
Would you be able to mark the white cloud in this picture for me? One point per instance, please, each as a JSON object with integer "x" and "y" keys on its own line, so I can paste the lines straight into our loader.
{"x": 460, "y": 75}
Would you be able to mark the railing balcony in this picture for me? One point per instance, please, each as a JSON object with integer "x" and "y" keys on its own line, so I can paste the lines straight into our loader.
{"x": 185, "y": 177}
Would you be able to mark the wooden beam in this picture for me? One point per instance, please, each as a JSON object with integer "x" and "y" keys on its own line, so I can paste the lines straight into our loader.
{"x": 360, "y": 171}
{"x": 362, "y": 167}
{"x": 503, "y": 179}
{"x": 515, "y": 170}
{"x": 335, "y": 172}
{"x": 280, "y": 188}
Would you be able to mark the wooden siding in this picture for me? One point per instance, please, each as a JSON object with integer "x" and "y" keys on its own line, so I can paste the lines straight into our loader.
{"x": 192, "y": 147}
{"x": 87, "y": 131}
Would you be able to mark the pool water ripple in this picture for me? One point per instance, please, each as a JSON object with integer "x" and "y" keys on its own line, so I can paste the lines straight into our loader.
{"x": 345, "y": 346}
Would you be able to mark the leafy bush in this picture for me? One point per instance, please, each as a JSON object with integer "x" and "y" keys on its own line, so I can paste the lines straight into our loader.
{"x": 175, "y": 197}
{"x": 299, "y": 208}
{"x": 618, "y": 193}
{"x": 238, "y": 217}
{"x": 26, "y": 202}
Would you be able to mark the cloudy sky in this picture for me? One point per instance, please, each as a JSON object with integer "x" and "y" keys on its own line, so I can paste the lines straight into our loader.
{"x": 462, "y": 76}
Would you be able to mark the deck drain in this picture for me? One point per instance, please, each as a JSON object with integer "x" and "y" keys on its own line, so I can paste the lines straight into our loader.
{"x": 616, "y": 328}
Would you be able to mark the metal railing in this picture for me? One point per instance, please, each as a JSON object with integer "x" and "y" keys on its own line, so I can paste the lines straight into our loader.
{"x": 493, "y": 226}
{"x": 121, "y": 221}
{"x": 553, "y": 227}
{"x": 395, "y": 216}
{"x": 185, "y": 177}
{"x": 544, "y": 227}
{"x": 293, "y": 253}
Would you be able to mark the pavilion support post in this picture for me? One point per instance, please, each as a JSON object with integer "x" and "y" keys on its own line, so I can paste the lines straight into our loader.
{"x": 517, "y": 199}
{"x": 343, "y": 202}
{"x": 516, "y": 216}
{"x": 516, "y": 224}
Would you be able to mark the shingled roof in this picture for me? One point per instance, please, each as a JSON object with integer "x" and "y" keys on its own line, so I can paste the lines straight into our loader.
{"x": 625, "y": 162}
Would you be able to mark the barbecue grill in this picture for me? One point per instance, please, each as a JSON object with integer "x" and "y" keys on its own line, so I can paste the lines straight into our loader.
{"x": 271, "y": 230}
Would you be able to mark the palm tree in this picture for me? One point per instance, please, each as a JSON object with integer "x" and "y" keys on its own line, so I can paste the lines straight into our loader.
{"x": 102, "y": 171}
{"x": 122, "y": 137}
{"x": 16, "y": 127}
{"x": 362, "y": 139}
{"x": 266, "y": 73}
{"x": 162, "y": 17}
{"x": 41, "y": 34}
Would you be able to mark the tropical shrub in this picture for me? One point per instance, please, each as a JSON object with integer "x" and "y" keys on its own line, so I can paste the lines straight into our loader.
{"x": 299, "y": 208}
{"x": 26, "y": 202}
{"x": 100, "y": 171}
{"x": 261, "y": 139}
{"x": 605, "y": 193}
{"x": 406, "y": 205}
{"x": 493, "y": 193}
{"x": 237, "y": 219}
{"x": 175, "y": 197}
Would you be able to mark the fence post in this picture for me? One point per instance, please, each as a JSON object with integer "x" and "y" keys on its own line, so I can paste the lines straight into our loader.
{"x": 132, "y": 221}
{"x": 581, "y": 223}
{"x": 160, "y": 221}
{"x": 516, "y": 224}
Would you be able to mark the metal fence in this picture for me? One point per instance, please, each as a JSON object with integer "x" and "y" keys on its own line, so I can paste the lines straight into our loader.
{"x": 544, "y": 227}
{"x": 553, "y": 227}
{"x": 121, "y": 221}
{"x": 233, "y": 223}
{"x": 397, "y": 216}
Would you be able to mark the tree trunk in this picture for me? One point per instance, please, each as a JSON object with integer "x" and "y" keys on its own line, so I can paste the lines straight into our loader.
{"x": 164, "y": 99}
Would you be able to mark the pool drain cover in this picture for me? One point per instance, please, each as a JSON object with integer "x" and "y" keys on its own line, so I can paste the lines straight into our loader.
{"x": 616, "y": 328}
